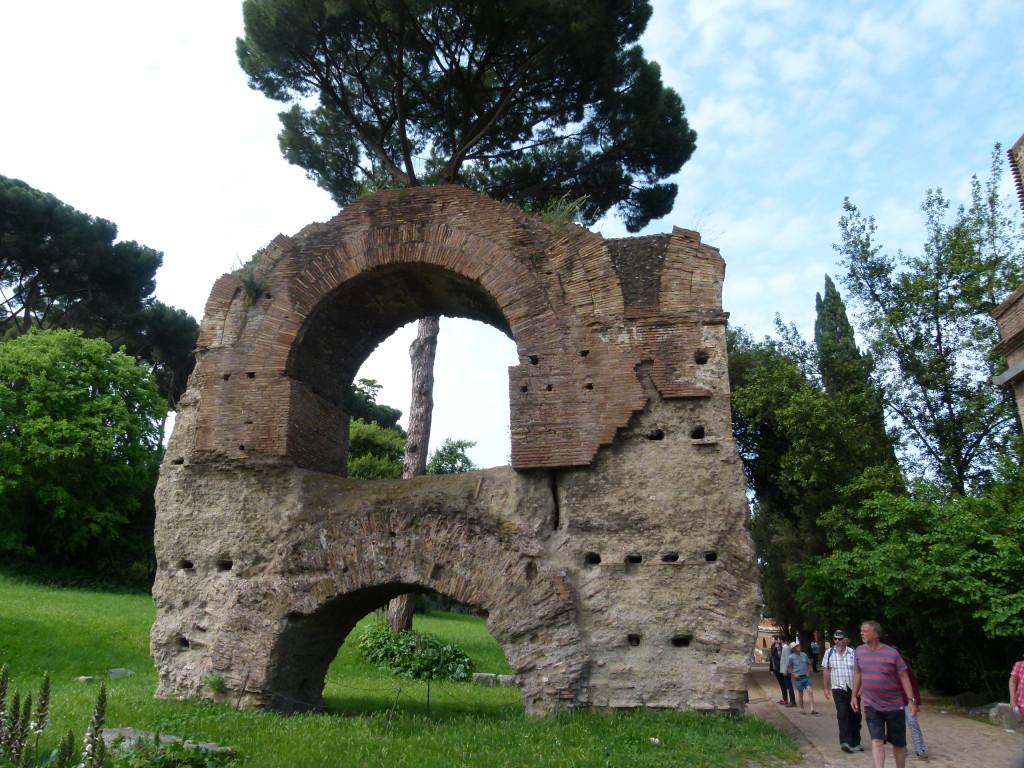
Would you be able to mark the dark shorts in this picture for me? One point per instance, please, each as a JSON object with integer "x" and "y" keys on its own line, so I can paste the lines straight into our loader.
{"x": 887, "y": 725}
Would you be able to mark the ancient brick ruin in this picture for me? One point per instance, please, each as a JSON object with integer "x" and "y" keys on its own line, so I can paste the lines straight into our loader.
{"x": 1010, "y": 314}
{"x": 612, "y": 559}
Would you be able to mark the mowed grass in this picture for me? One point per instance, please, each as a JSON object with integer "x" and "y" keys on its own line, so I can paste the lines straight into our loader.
{"x": 372, "y": 719}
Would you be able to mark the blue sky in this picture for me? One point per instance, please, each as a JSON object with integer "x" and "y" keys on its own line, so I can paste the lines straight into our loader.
{"x": 137, "y": 112}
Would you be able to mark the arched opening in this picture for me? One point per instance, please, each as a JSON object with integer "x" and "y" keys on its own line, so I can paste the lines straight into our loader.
{"x": 470, "y": 384}
{"x": 351, "y": 323}
{"x": 319, "y": 665}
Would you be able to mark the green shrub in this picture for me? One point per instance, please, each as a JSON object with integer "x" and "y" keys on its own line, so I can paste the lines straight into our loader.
{"x": 215, "y": 682}
{"x": 413, "y": 654}
{"x": 252, "y": 280}
{"x": 170, "y": 755}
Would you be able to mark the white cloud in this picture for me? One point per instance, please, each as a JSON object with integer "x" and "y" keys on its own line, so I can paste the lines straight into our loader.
{"x": 798, "y": 65}
{"x": 951, "y": 17}
{"x": 730, "y": 116}
{"x": 742, "y": 75}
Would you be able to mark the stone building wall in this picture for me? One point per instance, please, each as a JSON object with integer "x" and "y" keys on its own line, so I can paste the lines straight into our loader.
{"x": 612, "y": 559}
{"x": 1010, "y": 314}
{"x": 1016, "y": 155}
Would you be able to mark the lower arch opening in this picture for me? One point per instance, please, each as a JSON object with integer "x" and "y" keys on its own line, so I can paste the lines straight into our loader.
{"x": 337, "y": 660}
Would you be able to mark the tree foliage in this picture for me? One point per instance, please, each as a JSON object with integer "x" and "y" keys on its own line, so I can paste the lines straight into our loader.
{"x": 376, "y": 443}
{"x": 942, "y": 572}
{"x": 164, "y": 340}
{"x": 61, "y": 268}
{"x": 451, "y": 458}
{"x": 525, "y": 100}
{"x": 769, "y": 392}
{"x": 940, "y": 561}
{"x": 374, "y": 452}
{"x": 80, "y": 447}
{"x": 929, "y": 324}
{"x": 362, "y": 404}
{"x": 810, "y": 430}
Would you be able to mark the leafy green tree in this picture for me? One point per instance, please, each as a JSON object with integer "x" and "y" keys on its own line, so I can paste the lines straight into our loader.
{"x": 451, "y": 458}
{"x": 80, "y": 448}
{"x": 939, "y": 561}
{"x": 847, "y": 376}
{"x": 527, "y": 101}
{"x": 362, "y": 404}
{"x": 928, "y": 321}
{"x": 164, "y": 339}
{"x": 942, "y": 572}
{"x": 374, "y": 452}
{"x": 376, "y": 442}
{"x": 809, "y": 423}
{"x": 61, "y": 268}
{"x": 783, "y": 424}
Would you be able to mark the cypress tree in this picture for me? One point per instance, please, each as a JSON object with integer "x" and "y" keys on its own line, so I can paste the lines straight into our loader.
{"x": 846, "y": 375}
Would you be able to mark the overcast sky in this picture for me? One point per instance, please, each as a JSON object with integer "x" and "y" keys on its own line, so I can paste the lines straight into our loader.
{"x": 137, "y": 112}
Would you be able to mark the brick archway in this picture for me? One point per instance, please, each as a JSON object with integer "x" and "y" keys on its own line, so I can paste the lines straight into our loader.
{"x": 612, "y": 558}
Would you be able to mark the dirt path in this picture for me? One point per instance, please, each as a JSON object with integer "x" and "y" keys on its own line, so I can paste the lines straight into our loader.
{"x": 953, "y": 741}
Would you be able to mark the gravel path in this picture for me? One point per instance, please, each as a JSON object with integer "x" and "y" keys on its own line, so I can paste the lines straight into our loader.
{"x": 953, "y": 741}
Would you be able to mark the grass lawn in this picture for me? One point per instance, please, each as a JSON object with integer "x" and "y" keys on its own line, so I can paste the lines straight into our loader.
{"x": 70, "y": 633}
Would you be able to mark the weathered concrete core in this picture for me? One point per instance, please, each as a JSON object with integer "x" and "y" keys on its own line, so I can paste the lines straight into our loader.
{"x": 612, "y": 559}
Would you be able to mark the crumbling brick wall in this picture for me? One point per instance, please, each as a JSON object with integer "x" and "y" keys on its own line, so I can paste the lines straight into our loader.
{"x": 1010, "y": 314}
{"x": 612, "y": 559}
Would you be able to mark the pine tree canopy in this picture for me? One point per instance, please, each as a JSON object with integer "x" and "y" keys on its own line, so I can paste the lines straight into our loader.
{"x": 526, "y": 100}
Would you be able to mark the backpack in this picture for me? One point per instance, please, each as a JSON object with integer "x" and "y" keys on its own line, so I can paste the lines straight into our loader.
{"x": 828, "y": 656}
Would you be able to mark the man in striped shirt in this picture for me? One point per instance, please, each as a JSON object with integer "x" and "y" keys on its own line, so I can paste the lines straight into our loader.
{"x": 879, "y": 675}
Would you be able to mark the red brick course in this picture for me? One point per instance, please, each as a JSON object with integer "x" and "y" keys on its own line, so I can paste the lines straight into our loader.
{"x": 585, "y": 312}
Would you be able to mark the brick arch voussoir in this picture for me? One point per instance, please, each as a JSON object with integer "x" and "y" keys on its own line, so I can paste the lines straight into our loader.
{"x": 554, "y": 285}
{"x": 518, "y": 261}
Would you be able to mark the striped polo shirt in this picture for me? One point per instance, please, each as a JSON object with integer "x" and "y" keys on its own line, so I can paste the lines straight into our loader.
{"x": 881, "y": 688}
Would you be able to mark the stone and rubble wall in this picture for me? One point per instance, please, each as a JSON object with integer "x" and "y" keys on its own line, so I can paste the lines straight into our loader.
{"x": 612, "y": 559}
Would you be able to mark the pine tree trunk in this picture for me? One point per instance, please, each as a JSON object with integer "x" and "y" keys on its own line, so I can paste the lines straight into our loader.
{"x": 400, "y": 612}
{"x": 421, "y": 355}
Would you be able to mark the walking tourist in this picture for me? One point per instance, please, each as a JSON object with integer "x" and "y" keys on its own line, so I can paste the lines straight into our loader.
{"x": 837, "y": 671}
{"x": 912, "y": 721}
{"x": 1017, "y": 688}
{"x": 797, "y": 666}
{"x": 774, "y": 666}
{"x": 785, "y": 681}
{"x": 881, "y": 685}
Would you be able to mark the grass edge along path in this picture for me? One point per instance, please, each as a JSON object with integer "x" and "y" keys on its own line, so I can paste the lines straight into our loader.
{"x": 69, "y": 633}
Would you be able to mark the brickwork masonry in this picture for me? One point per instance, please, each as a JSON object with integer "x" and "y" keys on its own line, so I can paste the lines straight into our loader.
{"x": 612, "y": 559}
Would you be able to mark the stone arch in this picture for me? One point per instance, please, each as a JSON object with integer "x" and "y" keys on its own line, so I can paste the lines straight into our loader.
{"x": 621, "y": 380}
{"x": 451, "y": 562}
{"x": 326, "y": 367}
